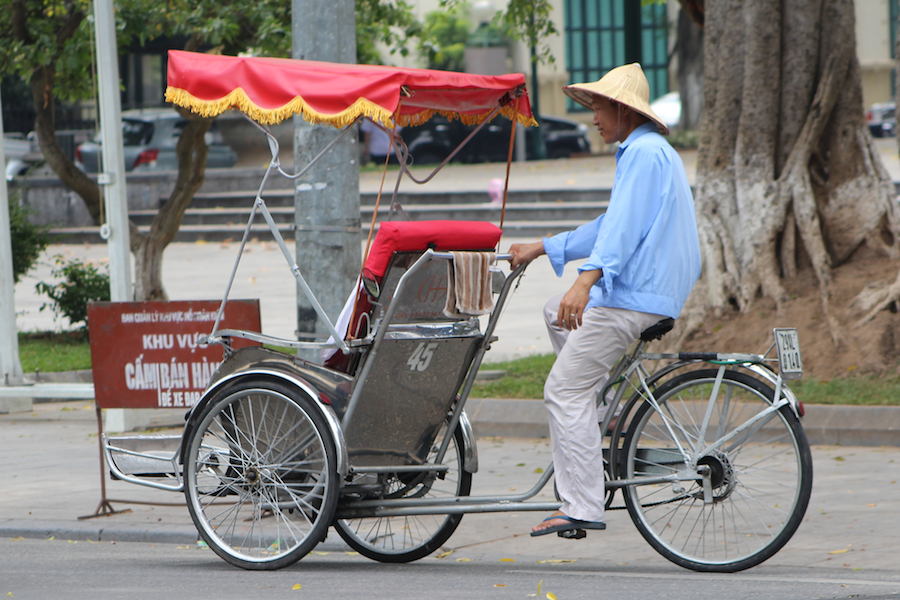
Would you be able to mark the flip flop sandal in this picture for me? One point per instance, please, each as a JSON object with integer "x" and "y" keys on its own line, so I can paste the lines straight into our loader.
{"x": 573, "y": 524}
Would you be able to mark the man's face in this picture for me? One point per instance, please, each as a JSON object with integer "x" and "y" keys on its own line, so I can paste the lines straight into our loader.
{"x": 606, "y": 119}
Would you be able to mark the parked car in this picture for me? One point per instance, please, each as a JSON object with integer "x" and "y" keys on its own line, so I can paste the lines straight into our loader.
{"x": 21, "y": 154}
{"x": 433, "y": 141}
{"x": 668, "y": 108}
{"x": 881, "y": 119}
{"x": 149, "y": 138}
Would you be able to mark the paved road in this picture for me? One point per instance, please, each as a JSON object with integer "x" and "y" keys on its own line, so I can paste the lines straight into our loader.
{"x": 104, "y": 571}
{"x": 51, "y": 477}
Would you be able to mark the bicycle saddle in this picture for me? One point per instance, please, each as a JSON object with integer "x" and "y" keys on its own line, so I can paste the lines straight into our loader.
{"x": 655, "y": 332}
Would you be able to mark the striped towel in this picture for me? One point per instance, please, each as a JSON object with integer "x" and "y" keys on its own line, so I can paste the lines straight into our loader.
{"x": 469, "y": 288}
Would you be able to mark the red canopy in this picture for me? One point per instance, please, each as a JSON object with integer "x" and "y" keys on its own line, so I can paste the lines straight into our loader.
{"x": 270, "y": 90}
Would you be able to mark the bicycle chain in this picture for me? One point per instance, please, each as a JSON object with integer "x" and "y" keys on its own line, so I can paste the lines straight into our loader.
{"x": 652, "y": 504}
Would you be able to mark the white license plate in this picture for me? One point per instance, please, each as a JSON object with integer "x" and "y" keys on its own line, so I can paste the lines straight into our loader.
{"x": 787, "y": 342}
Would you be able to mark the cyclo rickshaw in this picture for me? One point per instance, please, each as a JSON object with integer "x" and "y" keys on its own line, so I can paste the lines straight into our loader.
{"x": 708, "y": 450}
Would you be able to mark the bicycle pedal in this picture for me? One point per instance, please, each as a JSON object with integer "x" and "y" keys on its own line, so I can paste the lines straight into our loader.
{"x": 572, "y": 534}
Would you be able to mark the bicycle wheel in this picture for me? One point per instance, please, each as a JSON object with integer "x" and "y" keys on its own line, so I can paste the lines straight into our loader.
{"x": 409, "y": 538}
{"x": 761, "y": 477}
{"x": 260, "y": 475}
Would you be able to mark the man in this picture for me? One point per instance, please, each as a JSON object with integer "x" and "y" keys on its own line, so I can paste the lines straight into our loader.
{"x": 643, "y": 258}
{"x": 377, "y": 142}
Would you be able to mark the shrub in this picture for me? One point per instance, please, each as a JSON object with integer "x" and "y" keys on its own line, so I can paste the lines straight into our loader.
{"x": 82, "y": 283}
{"x": 28, "y": 240}
{"x": 684, "y": 139}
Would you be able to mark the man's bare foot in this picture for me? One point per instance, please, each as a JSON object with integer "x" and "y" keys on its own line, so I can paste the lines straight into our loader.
{"x": 557, "y": 518}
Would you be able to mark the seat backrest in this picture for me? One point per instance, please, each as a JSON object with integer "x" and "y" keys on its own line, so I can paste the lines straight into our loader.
{"x": 412, "y": 236}
{"x": 400, "y": 243}
{"x": 397, "y": 245}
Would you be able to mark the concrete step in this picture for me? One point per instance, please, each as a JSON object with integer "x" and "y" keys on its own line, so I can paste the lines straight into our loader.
{"x": 525, "y": 211}
{"x": 285, "y": 197}
{"x": 260, "y": 231}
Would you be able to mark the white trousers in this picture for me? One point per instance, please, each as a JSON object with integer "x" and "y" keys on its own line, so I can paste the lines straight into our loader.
{"x": 584, "y": 360}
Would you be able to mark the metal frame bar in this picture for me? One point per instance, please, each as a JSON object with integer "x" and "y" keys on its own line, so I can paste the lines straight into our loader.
{"x": 173, "y": 461}
{"x": 260, "y": 204}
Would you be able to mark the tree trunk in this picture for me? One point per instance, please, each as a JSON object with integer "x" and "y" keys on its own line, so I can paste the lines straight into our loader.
{"x": 787, "y": 173}
{"x": 192, "y": 152}
{"x": 45, "y": 128}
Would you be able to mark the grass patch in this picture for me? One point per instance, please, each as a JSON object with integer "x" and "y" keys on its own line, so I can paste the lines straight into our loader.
{"x": 524, "y": 378}
{"x": 856, "y": 391}
{"x": 50, "y": 352}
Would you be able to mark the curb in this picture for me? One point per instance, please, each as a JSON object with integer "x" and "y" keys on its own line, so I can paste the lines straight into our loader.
{"x": 83, "y": 531}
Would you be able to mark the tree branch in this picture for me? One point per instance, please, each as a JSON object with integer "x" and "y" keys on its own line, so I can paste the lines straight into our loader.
{"x": 69, "y": 27}
{"x": 696, "y": 10}
{"x": 18, "y": 22}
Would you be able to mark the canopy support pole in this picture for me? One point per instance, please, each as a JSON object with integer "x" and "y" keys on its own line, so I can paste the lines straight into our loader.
{"x": 260, "y": 205}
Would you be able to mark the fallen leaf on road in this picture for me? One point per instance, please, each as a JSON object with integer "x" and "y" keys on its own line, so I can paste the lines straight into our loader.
{"x": 18, "y": 539}
{"x": 463, "y": 560}
{"x": 838, "y": 551}
{"x": 871, "y": 505}
{"x": 507, "y": 560}
{"x": 499, "y": 585}
{"x": 297, "y": 586}
{"x": 445, "y": 554}
{"x": 556, "y": 561}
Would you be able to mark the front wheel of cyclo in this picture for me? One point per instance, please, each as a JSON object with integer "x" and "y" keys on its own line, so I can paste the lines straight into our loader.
{"x": 260, "y": 475}
{"x": 761, "y": 477}
{"x": 407, "y": 538}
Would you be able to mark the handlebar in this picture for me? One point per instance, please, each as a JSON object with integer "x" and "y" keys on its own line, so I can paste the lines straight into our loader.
{"x": 448, "y": 255}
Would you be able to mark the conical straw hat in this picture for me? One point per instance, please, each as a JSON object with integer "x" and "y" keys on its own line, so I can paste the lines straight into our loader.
{"x": 626, "y": 84}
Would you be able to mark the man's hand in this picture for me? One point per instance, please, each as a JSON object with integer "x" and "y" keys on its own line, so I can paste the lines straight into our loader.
{"x": 571, "y": 307}
{"x": 525, "y": 253}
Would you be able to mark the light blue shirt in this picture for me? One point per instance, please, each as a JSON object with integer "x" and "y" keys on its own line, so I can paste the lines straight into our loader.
{"x": 646, "y": 242}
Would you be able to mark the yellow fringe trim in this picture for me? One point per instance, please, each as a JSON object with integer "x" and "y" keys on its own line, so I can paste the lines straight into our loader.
{"x": 238, "y": 99}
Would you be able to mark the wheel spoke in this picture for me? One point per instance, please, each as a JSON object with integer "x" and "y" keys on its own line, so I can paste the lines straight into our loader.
{"x": 407, "y": 538}
{"x": 258, "y": 476}
{"x": 761, "y": 481}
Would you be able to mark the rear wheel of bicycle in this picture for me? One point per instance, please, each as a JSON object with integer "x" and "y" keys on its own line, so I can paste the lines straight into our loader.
{"x": 408, "y": 538}
{"x": 261, "y": 481}
{"x": 761, "y": 477}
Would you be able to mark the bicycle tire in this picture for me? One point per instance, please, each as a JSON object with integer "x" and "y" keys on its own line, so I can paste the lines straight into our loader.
{"x": 762, "y": 478}
{"x": 261, "y": 480}
{"x": 408, "y": 538}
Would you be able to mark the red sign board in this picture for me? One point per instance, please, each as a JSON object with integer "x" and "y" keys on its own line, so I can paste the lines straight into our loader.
{"x": 149, "y": 355}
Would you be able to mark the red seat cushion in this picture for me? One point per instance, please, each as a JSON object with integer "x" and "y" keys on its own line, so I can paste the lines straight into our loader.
{"x": 410, "y": 236}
